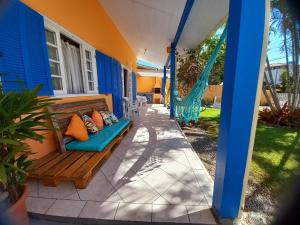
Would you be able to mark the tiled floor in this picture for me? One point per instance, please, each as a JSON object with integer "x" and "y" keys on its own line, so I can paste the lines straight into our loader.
{"x": 152, "y": 176}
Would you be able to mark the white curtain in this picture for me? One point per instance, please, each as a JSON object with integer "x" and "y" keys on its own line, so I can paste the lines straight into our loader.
{"x": 74, "y": 79}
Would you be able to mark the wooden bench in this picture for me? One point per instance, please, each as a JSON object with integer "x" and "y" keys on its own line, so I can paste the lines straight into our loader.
{"x": 76, "y": 166}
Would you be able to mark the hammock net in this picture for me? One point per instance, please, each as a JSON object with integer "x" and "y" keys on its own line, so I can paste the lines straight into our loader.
{"x": 189, "y": 107}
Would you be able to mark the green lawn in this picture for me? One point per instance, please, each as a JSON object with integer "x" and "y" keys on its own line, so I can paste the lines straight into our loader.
{"x": 276, "y": 155}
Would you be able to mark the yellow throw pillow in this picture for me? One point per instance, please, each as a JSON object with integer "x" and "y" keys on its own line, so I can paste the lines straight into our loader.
{"x": 77, "y": 129}
{"x": 97, "y": 118}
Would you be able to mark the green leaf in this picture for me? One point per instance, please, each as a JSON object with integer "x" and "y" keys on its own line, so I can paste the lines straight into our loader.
{"x": 3, "y": 176}
{"x": 10, "y": 142}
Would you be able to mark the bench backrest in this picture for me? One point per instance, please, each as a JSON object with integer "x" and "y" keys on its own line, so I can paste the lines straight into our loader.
{"x": 66, "y": 110}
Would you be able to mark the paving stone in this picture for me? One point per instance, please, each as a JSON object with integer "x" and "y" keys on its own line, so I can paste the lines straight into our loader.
{"x": 32, "y": 187}
{"x": 99, "y": 210}
{"x": 66, "y": 208}
{"x": 134, "y": 212}
{"x": 200, "y": 215}
{"x": 38, "y": 205}
{"x": 65, "y": 190}
{"x": 169, "y": 214}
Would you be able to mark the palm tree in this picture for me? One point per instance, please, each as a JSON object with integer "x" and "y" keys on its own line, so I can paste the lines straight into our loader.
{"x": 285, "y": 24}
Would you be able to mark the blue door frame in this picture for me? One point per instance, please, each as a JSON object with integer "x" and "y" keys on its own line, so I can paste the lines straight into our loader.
{"x": 163, "y": 86}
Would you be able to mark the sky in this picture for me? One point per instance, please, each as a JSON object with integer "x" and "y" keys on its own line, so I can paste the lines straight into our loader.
{"x": 274, "y": 49}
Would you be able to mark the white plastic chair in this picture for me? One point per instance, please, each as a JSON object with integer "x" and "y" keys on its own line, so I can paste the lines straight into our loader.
{"x": 130, "y": 108}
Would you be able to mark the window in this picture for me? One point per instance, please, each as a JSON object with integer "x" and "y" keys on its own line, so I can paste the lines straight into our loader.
{"x": 54, "y": 61}
{"x": 89, "y": 70}
{"x": 66, "y": 77}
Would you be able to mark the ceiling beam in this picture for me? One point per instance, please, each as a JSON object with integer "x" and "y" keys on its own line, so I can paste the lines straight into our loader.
{"x": 185, "y": 14}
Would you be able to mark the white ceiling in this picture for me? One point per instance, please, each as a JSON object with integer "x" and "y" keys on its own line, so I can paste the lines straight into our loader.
{"x": 153, "y": 73}
{"x": 205, "y": 17}
{"x": 149, "y": 26}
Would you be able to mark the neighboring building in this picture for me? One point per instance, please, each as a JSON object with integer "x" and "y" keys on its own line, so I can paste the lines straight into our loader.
{"x": 277, "y": 70}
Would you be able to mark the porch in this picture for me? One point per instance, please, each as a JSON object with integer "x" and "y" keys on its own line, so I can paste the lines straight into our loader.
{"x": 152, "y": 176}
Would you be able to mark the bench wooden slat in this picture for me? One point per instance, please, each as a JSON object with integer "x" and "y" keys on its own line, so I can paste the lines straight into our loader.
{"x": 40, "y": 171}
{"x": 89, "y": 165}
{"x": 85, "y": 157}
{"x": 38, "y": 163}
{"x": 62, "y": 165}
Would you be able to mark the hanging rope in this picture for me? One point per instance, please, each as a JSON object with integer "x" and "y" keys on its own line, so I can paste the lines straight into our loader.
{"x": 189, "y": 108}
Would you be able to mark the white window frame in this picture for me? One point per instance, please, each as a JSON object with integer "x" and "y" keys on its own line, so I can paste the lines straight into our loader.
{"x": 54, "y": 27}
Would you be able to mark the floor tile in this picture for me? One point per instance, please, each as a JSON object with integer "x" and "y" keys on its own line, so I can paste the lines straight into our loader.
{"x": 65, "y": 190}
{"x": 134, "y": 212}
{"x": 137, "y": 192}
{"x": 169, "y": 213}
{"x": 100, "y": 189}
{"x": 38, "y": 205}
{"x": 175, "y": 169}
{"x": 32, "y": 187}
{"x": 99, "y": 210}
{"x": 205, "y": 183}
{"x": 195, "y": 163}
{"x": 201, "y": 215}
{"x": 66, "y": 208}
{"x": 159, "y": 180}
{"x": 111, "y": 166}
{"x": 181, "y": 193}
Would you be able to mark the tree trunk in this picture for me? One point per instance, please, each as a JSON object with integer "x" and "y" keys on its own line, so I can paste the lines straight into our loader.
{"x": 272, "y": 89}
{"x": 287, "y": 60}
{"x": 297, "y": 62}
{"x": 264, "y": 89}
{"x": 295, "y": 40}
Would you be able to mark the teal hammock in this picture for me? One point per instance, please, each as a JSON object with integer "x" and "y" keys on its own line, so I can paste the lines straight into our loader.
{"x": 189, "y": 108}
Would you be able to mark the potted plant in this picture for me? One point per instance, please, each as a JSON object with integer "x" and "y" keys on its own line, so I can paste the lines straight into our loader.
{"x": 23, "y": 116}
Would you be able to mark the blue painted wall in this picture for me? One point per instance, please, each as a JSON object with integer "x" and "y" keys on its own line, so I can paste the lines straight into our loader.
{"x": 23, "y": 50}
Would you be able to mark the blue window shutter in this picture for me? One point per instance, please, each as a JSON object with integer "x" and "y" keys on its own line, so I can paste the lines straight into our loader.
{"x": 35, "y": 53}
{"x": 104, "y": 73}
{"x": 12, "y": 63}
{"x": 117, "y": 88}
{"x": 110, "y": 80}
{"x": 101, "y": 72}
{"x": 134, "y": 87}
{"x": 23, "y": 49}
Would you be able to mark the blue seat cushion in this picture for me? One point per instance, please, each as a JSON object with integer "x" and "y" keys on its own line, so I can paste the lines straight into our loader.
{"x": 97, "y": 142}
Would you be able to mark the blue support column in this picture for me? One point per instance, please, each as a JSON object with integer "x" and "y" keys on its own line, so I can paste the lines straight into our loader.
{"x": 244, "y": 65}
{"x": 172, "y": 81}
{"x": 163, "y": 86}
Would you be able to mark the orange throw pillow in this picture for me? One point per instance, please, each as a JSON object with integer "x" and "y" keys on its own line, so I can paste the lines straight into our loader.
{"x": 97, "y": 118}
{"x": 77, "y": 129}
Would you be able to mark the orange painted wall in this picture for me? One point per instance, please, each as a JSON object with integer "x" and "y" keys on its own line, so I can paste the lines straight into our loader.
{"x": 88, "y": 20}
{"x": 50, "y": 143}
{"x": 146, "y": 84}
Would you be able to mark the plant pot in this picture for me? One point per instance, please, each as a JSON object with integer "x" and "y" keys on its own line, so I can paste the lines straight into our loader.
{"x": 17, "y": 213}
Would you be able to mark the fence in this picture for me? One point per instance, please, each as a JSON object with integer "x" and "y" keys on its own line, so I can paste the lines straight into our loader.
{"x": 216, "y": 90}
